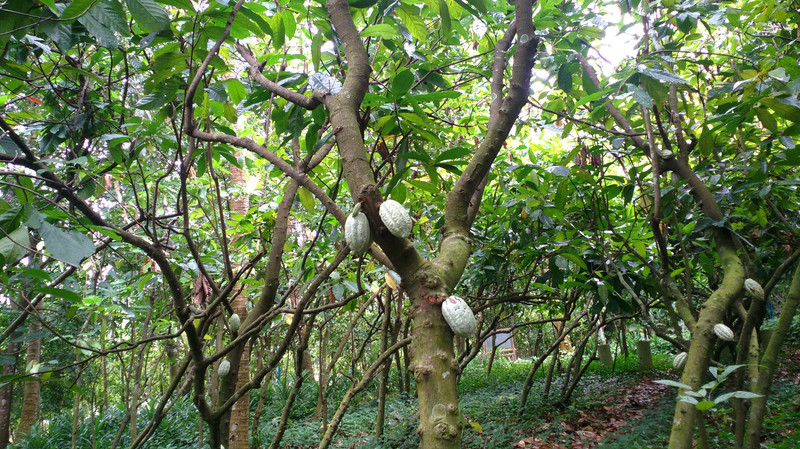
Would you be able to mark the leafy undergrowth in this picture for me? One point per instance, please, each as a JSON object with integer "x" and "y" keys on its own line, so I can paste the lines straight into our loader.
{"x": 610, "y": 409}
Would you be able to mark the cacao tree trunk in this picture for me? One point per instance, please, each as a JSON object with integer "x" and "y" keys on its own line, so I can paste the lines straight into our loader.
{"x": 382, "y": 386}
{"x": 769, "y": 363}
{"x": 31, "y": 395}
{"x": 238, "y": 435}
{"x": 6, "y": 393}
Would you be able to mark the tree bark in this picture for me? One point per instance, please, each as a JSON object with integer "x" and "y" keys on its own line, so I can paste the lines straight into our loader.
{"x": 238, "y": 435}
{"x": 769, "y": 363}
{"x": 6, "y": 395}
{"x": 31, "y": 395}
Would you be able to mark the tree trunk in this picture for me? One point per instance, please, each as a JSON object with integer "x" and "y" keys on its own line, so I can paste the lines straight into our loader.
{"x": 239, "y": 435}
{"x": 6, "y": 394}
{"x": 434, "y": 367}
{"x": 703, "y": 339}
{"x": 31, "y": 396}
{"x": 384, "y": 380}
{"x": 769, "y": 363}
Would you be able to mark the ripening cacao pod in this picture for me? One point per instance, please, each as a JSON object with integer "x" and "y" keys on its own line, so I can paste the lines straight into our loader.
{"x": 396, "y": 219}
{"x": 234, "y": 322}
{"x": 754, "y": 288}
{"x": 665, "y": 154}
{"x": 224, "y": 368}
{"x": 356, "y": 232}
{"x": 459, "y": 317}
{"x": 723, "y": 332}
{"x": 679, "y": 360}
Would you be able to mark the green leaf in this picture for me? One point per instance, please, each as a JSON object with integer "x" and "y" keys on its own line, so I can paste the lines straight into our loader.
{"x": 382, "y": 30}
{"x": 565, "y": 78}
{"x": 69, "y": 295}
{"x": 783, "y": 108}
{"x": 14, "y": 246}
{"x": 103, "y": 19}
{"x": 672, "y": 383}
{"x": 70, "y": 247}
{"x": 77, "y": 9}
{"x": 705, "y": 405}
{"x": 640, "y": 95}
{"x": 410, "y": 16}
{"x": 278, "y": 31}
{"x": 706, "y": 142}
{"x": 662, "y": 75}
{"x": 767, "y": 119}
{"x": 148, "y": 14}
{"x": 444, "y": 13}
{"x": 402, "y": 83}
{"x": 306, "y": 199}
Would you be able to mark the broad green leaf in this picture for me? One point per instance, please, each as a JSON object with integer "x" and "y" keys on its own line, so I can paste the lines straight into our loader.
{"x": 784, "y": 108}
{"x": 672, "y": 383}
{"x": 410, "y": 17}
{"x": 662, "y": 75}
{"x": 565, "y": 78}
{"x": 705, "y": 405}
{"x": 77, "y": 9}
{"x": 402, "y": 82}
{"x": 382, "y": 30}
{"x": 14, "y": 246}
{"x": 69, "y": 295}
{"x": 70, "y": 247}
{"x": 444, "y": 14}
{"x": 306, "y": 199}
{"x": 767, "y": 119}
{"x": 148, "y": 14}
{"x": 640, "y": 95}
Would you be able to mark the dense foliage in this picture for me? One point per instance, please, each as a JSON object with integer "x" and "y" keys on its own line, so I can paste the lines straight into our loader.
{"x": 581, "y": 173}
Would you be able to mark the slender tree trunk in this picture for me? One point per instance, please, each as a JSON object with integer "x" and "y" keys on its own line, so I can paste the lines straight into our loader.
{"x": 382, "y": 386}
{"x": 703, "y": 339}
{"x": 6, "y": 393}
{"x": 31, "y": 396}
{"x": 769, "y": 362}
{"x": 238, "y": 435}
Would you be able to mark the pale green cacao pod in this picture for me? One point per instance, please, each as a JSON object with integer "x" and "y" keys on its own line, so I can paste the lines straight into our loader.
{"x": 723, "y": 332}
{"x": 396, "y": 219}
{"x": 234, "y": 322}
{"x": 459, "y": 317}
{"x": 679, "y": 360}
{"x": 224, "y": 368}
{"x": 754, "y": 288}
{"x": 356, "y": 232}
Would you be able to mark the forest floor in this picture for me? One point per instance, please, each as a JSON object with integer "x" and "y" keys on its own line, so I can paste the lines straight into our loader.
{"x": 620, "y": 408}
{"x": 640, "y": 416}
{"x": 616, "y": 407}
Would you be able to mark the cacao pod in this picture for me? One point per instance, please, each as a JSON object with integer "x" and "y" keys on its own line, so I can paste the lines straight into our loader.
{"x": 679, "y": 360}
{"x": 356, "y": 233}
{"x": 723, "y": 332}
{"x": 459, "y": 317}
{"x": 754, "y": 288}
{"x": 396, "y": 218}
{"x": 234, "y": 322}
{"x": 224, "y": 368}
